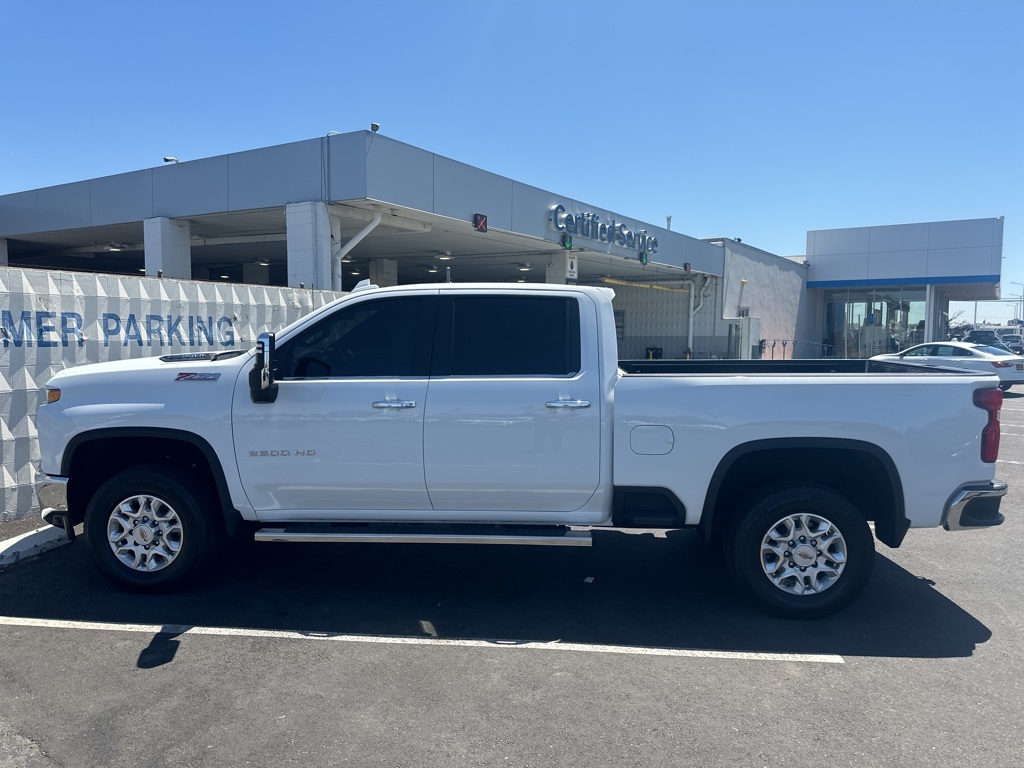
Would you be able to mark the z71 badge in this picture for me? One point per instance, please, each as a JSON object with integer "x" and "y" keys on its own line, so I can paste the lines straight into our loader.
{"x": 197, "y": 377}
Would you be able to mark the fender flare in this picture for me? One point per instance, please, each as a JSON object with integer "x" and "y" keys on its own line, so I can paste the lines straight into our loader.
{"x": 890, "y": 529}
{"x": 233, "y": 521}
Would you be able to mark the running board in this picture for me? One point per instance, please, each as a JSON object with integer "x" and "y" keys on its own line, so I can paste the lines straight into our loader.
{"x": 550, "y": 536}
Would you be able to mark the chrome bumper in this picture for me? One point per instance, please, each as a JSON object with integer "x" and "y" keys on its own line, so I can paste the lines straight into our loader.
{"x": 974, "y": 506}
{"x": 52, "y": 493}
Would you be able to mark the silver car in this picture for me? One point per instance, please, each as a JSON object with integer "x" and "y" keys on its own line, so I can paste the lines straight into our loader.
{"x": 961, "y": 354}
{"x": 1014, "y": 342}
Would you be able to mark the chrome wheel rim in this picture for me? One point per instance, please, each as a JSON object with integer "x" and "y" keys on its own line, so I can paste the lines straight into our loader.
{"x": 803, "y": 554}
{"x": 144, "y": 533}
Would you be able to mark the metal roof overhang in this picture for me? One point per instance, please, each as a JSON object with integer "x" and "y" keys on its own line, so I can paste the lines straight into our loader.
{"x": 420, "y": 243}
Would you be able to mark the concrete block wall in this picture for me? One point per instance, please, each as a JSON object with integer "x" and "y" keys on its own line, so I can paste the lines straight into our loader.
{"x": 54, "y": 320}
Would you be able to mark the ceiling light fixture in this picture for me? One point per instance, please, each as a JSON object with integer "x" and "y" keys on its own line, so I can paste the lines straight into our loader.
{"x": 524, "y": 267}
{"x": 354, "y": 272}
{"x": 431, "y": 270}
{"x": 263, "y": 263}
{"x": 444, "y": 255}
{"x": 223, "y": 277}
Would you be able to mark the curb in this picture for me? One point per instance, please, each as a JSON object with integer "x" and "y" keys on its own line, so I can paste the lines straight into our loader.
{"x": 30, "y": 544}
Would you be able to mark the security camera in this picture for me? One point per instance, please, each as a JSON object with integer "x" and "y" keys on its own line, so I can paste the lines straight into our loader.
{"x": 374, "y": 127}
{"x": 171, "y": 160}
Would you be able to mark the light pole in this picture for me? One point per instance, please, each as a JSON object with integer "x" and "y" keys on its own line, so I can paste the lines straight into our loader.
{"x": 1021, "y": 315}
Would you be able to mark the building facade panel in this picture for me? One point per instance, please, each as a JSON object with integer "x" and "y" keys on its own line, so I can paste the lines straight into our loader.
{"x": 192, "y": 188}
{"x": 274, "y": 176}
{"x": 899, "y": 237}
{"x": 894, "y": 265}
{"x": 461, "y": 190}
{"x": 121, "y": 198}
{"x": 969, "y": 233}
{"x": 19, "y": 212}
{"x": 959, "y": 262}
{"x": 346, "y": 163}
{"x": 399, "y": 173}
{"x": 65, "y": 206}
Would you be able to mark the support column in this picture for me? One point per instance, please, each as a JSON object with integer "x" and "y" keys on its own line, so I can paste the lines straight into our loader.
{"x": 931, "y": 313}
{"x": 558, "y": 264}
{"x": 256, "y": 274}
{"x": 384, "y": 272}
{"x": 168, "y": 249}
{"x": 3, "y": 252}
{"x": 309, "y": 245}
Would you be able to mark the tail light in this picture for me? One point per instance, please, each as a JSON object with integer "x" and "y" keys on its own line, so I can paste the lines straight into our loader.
{"x": 989, "y": 400}
{"x": 1001, "y": 364}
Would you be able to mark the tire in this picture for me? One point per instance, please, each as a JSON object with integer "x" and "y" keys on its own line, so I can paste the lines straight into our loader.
{"x": 832, "y": 575}
{"x": 152, "y": 528}
{"x": 1005, "y": 387}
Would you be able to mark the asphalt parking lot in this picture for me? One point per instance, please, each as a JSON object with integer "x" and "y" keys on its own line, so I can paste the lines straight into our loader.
{"x": 636, "y": 652}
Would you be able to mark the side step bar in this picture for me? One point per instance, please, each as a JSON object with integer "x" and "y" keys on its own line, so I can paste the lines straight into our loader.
{"x": 550, "y": 536}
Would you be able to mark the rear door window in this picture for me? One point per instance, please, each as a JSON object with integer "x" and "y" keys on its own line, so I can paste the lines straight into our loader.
{"x": 507, "y": 336}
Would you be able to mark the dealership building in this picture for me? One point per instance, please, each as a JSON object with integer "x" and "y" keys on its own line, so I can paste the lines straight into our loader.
{"x": 209, "y": 252}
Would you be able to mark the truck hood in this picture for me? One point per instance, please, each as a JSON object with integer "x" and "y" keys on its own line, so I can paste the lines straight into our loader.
{"x": 202, "y": 366}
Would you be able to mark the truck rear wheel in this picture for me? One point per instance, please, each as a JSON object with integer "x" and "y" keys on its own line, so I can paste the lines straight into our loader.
{"x": 802, "y": 552}
{"x": 151, "y": 528}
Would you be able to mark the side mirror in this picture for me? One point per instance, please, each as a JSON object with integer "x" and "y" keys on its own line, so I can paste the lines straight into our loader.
{"x": 262, "y": 388}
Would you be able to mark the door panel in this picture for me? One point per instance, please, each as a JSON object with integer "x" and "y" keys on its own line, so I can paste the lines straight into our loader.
{"x": 346, "y": 429}
{"x": 493, "y": 444}
{"x": 513, "y": 418}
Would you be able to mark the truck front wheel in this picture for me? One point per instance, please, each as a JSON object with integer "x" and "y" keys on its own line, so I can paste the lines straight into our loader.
{"x": 802, "y": 552}
{"x": 150, "y": 528}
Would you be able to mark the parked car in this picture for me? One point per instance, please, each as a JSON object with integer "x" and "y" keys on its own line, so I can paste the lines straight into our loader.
{"x": 961, "y": 354}
{"x": 1014, "y": 342}
{"x": 981, "y": 336}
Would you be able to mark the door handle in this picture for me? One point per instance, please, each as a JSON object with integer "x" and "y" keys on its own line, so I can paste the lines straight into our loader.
{"x": 395, "y": 404}
{"x": 568, "y": 404}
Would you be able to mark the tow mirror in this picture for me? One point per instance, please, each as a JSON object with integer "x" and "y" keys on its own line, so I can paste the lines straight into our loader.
{"x": 262, "y": 388}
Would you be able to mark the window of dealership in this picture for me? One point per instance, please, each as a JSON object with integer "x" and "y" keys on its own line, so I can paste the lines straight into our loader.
{"x": 861, "y": 322}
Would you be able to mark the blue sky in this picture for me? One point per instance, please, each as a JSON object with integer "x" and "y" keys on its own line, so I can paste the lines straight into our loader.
{"x": 757, "y": 120}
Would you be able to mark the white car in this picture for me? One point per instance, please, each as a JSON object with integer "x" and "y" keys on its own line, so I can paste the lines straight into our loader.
{"x": 962, "y": 354}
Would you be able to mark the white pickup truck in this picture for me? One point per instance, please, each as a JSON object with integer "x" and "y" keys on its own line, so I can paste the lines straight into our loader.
{"x": 472, "y": 413}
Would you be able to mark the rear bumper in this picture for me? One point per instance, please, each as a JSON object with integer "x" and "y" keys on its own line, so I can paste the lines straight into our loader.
{"x": 974, "y": 506}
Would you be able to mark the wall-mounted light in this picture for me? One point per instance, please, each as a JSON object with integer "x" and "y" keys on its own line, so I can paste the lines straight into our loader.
{"x": 170, "y": 159}
{"x": 354, "y": 272}
{"x": 263, "y": 263}
{"x": 223, "y": 277}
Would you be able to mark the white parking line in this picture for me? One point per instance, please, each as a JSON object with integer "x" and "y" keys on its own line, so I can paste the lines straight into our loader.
{"x": 1007, "y": 461}
{"x": 182, "y": 629}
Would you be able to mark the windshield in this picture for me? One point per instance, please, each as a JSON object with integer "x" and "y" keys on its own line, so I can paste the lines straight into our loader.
{"x": 1010, "y": 339}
